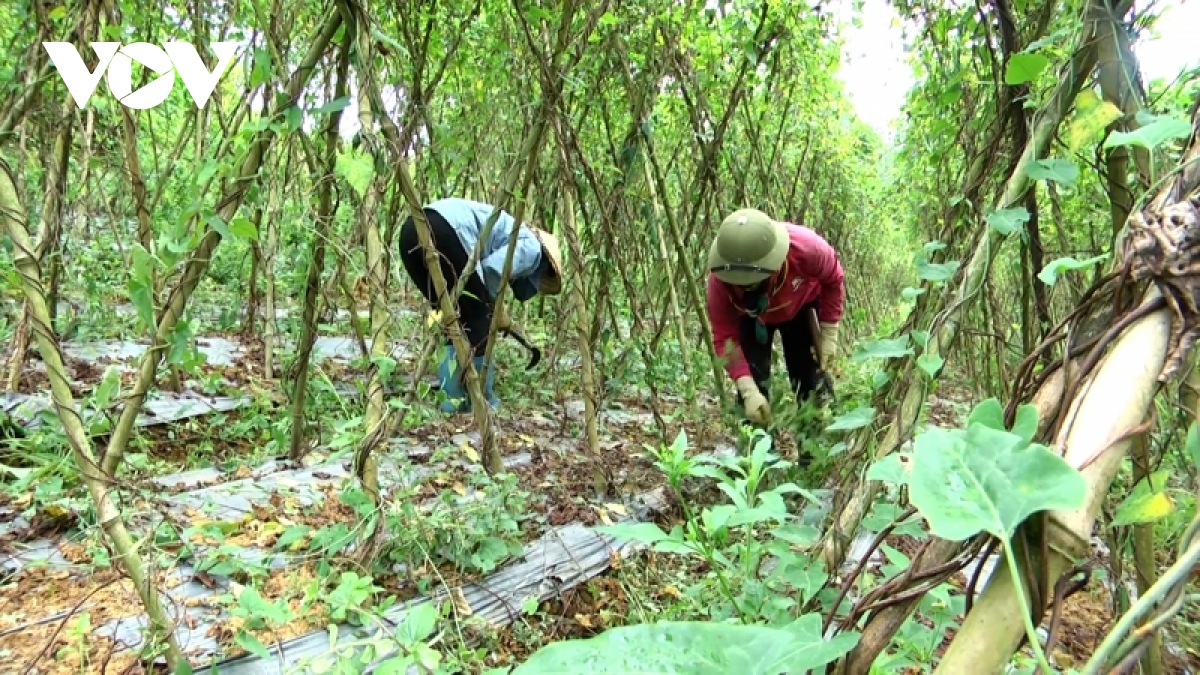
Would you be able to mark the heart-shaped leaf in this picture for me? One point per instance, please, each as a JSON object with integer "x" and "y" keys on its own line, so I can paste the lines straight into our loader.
{"x": 1049, "y": 273}
{"x": 884, "y": 349}
{"x": 984, "y": 479}
{"x": 1060, "y": 171}
{"x": 1154, "y": 134}
{"x": 1023, "y": 68}
{"x": 1007, "y": 221}
{"x": 695, "y": 648}
{"x": 855, "y": 419}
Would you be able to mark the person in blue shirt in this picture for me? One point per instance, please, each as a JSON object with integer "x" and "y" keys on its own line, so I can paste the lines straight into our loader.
{"x": 456, "y": 225}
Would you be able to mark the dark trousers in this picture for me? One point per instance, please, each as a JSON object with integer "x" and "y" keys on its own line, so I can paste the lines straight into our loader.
{"x": 798, "y": 354}
{"x": 474, "y": 310}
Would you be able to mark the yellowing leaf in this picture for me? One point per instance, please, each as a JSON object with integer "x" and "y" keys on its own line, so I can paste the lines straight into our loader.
{"x": 1092, "y": 115}
{"x": 469, "y": 451}
{"x": 604, "y": 516}
{"x": 617, "y": 509}
{"x": 433, "y": 318}
{"x": 55, "y": 511}
{"x": 459, "y": 488}
{"x": 1143, "y": 506}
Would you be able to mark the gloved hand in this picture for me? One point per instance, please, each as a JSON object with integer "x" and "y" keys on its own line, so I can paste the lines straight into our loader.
{"x": 829, "y": 332}
{"x": 757, "y": 409}
{"x": 503, "y": 322}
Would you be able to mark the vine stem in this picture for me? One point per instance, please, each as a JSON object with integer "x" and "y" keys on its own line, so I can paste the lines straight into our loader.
{"x": 1174, "y": 575}
{"x": 1030, "y": 630}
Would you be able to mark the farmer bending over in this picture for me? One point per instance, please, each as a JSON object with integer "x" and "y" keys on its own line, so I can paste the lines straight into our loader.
{"x": 767, "y": 276}
{"x": 456, "y": 224}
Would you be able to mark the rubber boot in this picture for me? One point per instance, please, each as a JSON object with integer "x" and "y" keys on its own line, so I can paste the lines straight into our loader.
{"x": 457, "y": 398}
{"x": 489, "y": 383}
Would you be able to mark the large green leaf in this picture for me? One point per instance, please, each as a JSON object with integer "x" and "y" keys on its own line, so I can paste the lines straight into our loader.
{"x": 1060, "y": 171}
{"x": 695, "y": 648}
{"x": 1154, "y": 134}
{"x": 1007, "y": 221}
{"x": 1049, "y": 273}
{"x": 855, "y": 419}
{"x": 1023, "y": 68}
{"x": 985, "y": 479}
{"x": 883, "y": 349}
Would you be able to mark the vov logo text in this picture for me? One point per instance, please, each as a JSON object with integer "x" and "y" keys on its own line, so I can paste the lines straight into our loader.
{"x": 117, "y": 62}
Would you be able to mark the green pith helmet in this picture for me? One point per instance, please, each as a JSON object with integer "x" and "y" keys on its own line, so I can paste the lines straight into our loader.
{"x": 748, "y": 248}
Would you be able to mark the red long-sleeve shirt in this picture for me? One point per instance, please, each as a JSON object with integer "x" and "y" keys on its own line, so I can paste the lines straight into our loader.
{"x": 811, "y": 271}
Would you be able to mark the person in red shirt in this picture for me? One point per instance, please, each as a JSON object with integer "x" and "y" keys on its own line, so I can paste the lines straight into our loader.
{"x": 764, "y": 277}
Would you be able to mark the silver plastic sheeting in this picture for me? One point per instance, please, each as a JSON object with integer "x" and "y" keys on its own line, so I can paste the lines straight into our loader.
{"x": 195, "y": 599}
{"x": 219, "y": 351}
{"x": 560, "y": 560}
{"x": 159, "y": 408}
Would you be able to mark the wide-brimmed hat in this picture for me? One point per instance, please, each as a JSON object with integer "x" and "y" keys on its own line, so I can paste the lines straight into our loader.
{"x": 552, "y": 284}
{"x": 749, "y": 247}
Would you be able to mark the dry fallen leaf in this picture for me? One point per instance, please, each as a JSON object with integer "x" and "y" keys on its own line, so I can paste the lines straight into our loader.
{"x": 460, "y": 602}
{"x": 617, "y": 509}
{"x": 469, "y": 451}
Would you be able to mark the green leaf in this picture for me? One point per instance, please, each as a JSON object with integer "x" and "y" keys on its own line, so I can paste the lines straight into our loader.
{"x": 1049, "y": 273}
{"x": 989, "y": 413}
{"x": 855, "y": 419}
{"x": 243, "y": 229}
{"x": 883, "y": 349}
{"x": 292, "y": 535}
{"x": 1060, "y": 171}
{"x": 1025, "y": 423}
{"x": 207, "y": 171}
{"x": 1024, "y": 68}
{"x": 419, "y": 622}
{"x": 910, "y": 293}
{"x": 936, "y": 272}
{"x": 294, "y": 117}
{"x": 1147, "y": 502}
{"x": 332, "y": 106}
{"x": 893, "y": 469}
{"x": 1192, "y": 445}
{"x": 109, "y": 385}
{"x": 695, "y": 648}
{"x": 647, "y": 533}
{"x": 1007, "y": 221}
{"x": 217, "y": 223}
{"x": 930, "y": 363}
{"x": 252, "y": 644}
{"x": 1161, "y": 130}
{"x": 142, "y": 297}
{"x": 57, "y": 13}
{"x": 356, "y": 168}
{"x": 795, "y": 533}
{"x": 984, "y": 479}
{"x": 144, "y": 265}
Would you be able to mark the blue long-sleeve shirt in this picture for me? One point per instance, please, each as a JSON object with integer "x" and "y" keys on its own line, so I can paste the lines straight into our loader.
{"x": 468, "y": 218}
